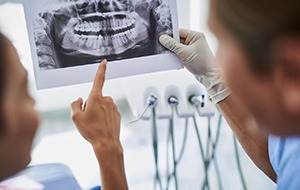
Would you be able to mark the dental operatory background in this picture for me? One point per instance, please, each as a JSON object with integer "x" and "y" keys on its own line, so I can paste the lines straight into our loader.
{"x": 172, "y": 136}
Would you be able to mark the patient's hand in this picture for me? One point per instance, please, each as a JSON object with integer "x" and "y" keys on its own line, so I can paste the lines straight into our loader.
{"x": 98, "y": 120}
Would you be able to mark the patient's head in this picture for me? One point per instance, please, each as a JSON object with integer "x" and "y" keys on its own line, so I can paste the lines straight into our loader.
{"x": 18, "y": 119}
{"x": 259, "y": 47}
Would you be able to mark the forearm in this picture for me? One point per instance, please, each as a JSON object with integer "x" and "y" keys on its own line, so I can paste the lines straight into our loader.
{"x": 111, "y": 163}
{"x": 196, "y": 56}
{"x": 254, "y": 142}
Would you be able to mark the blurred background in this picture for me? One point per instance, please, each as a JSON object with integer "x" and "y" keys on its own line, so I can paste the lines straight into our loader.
{"x": 58, "y": 141}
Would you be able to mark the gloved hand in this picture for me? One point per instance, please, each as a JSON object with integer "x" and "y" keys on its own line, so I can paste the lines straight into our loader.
{"x": 197, "y": 57}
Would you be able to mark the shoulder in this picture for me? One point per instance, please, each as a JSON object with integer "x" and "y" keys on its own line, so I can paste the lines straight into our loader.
{"x": 275, "y": 147}
{"x": 285, "y": 158}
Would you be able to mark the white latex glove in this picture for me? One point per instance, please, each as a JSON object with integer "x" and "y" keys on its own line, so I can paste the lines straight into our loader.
{"x": 197, "y": 57}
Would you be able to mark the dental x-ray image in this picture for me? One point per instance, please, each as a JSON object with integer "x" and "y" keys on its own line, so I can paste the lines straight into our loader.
{"x": 69, "y": 38}
{"x": 69, "y": 33}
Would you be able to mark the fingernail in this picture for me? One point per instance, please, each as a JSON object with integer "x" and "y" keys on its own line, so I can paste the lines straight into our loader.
{"x": 101, "y": 63}
{"x": 104, "y": 62}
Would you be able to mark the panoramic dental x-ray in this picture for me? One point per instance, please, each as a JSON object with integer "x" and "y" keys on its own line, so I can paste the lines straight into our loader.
{"x": 78, "y": 32}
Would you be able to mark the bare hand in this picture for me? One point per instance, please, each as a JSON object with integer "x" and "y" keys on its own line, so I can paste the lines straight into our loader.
{"x": 98, "y": 120}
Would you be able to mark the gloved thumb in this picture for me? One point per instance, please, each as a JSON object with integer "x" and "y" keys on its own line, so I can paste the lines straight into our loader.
{"x": 170, "y": 43}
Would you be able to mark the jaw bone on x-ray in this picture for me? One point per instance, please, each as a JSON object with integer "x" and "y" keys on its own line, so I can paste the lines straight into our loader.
{"x": 78, "y": 32}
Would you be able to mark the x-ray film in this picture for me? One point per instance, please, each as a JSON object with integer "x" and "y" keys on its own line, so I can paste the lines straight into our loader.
{"x": 69, "y": 38}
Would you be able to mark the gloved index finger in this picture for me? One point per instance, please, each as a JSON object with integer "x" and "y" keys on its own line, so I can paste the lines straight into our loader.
{"x": 170, "y": 43}
{"x": 99, "y": 78}
{"x": 184, "y": 33}
{"x": 188, "y": 36}
{"x": 184, "y": 36}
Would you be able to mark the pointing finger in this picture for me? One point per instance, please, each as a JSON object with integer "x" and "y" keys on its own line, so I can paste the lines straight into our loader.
{"x": 99, "y": 78}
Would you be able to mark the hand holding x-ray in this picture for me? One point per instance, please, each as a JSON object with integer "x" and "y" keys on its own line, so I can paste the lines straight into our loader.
{"x": 192, "y": 50}
{"x": 195, "y": 53}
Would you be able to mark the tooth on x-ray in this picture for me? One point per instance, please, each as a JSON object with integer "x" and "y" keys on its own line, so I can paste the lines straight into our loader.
{"x": 84, "y": 32}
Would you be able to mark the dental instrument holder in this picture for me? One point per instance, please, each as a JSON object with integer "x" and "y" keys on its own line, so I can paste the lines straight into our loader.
{"x": 173, "y": 101}
{"x": 199, "y": 102}
{"x": 151, "y": 103}
{"x": 180, "y": 84}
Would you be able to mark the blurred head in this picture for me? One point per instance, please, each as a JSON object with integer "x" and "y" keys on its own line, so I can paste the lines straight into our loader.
{"x": 18, "y": 119}
{"x": 259, "y": 49}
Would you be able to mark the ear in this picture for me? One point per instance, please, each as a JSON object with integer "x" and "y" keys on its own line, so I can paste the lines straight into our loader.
{"x": 287, "y": 72}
